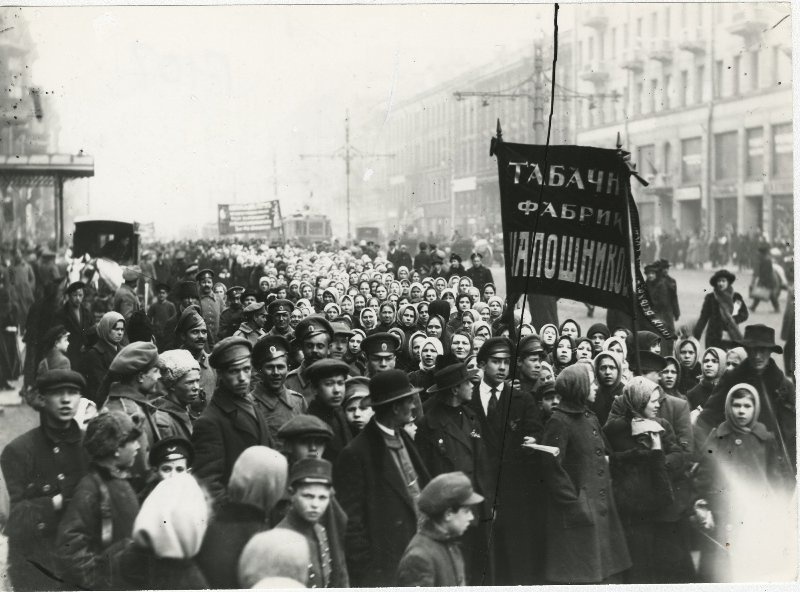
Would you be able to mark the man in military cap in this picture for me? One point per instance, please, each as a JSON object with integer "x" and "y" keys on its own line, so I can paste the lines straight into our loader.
{"x": 311, "y": 491}
{"x": 530, "y": 356}
{"x": 433, "y": 557}
{"x": 159, "y": 314}
{"x": 508, "y": 417}
{"x": 135, "y": 368}
{"x": 77, "y": 319}
{"x": 314, "y": 333}
{"x": 279, "y": 311}
{"x": 248, "y": 297}
{"x": 41, "y": 469}
{"x": 381, "y": 352}
{"x": 328, "y": 377}
{"x": 378, "y": 479}
{"x": 186, "y": 295}
{"x": 270, "y": 365}
{"x": 191, "y": 334}
{"x": 254, "y": 318}
{"x": 210, "y": 308}
{"x": 232, "y": 421}
{"x": 231, "y": 317}
{"x": 126, "y": 300}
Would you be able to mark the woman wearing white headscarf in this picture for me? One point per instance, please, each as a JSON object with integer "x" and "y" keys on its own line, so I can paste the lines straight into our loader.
{"x": 167, "y": 535}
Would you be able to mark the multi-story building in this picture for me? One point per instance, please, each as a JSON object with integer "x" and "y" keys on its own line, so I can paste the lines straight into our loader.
{"x": 441, "y": 176}
{"x": 700, "y": 93}
{"x": 706, "y": 110}
{"x": 28, "y": 125}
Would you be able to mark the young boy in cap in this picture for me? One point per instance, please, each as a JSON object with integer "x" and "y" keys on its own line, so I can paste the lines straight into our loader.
{"x": 311, "y": 491}
{"x": 328, "y": 377}
{"x": 41, "y": 469}
{"x": 77, "y": 318}
{"x": 168, "y": 458}
{"x": 356, "y": 404}
{"x": 99, "y": 519}
{"x": 433, "y": 557}
{"x": 271, "y": 366}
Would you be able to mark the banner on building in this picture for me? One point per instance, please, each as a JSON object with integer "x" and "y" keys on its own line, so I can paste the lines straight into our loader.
{"x": 565, "y": 232}
{"x": 249, "y": 217}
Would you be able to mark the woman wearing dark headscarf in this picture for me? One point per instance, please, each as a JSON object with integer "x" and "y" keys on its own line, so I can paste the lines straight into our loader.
{"x": 563, "y": 353}
{"x": 670, "y": 377}
{"x": 586, "y": 543}
{"x": 645, "y": 456}
{"x": 97, "y": 359}
{"x": 257, "y": 482}
{"x": 712, "y": 364}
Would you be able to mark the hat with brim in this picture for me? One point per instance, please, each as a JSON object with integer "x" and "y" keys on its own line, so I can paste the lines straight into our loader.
{"x": 724, "y": 274}
{"x": 390, "y": 386}
{"x": 760, "y": 336}
{"x": 451, "y": 376}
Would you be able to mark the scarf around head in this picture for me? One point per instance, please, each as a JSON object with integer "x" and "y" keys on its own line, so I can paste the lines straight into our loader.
{"x": 258, "y": 478}
{"x": 635, "y": 397}
{"x": 106, "y": 324}
{"x": 729, "y": 417}
{"x": 721, "y": 357}
{"x": 173, "y": 519}
{"x": 573, "y": 384}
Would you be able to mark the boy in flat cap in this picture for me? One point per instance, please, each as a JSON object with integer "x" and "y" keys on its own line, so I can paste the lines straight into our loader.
{"x": 433, "y": 557}
{"x": 328, "y": 377}
{"x": 254, "y": 318}
{"x": 378, "y": 479}
{"x": 210, "y": 308}
{"x": 191, "y": 334}
{"x": 134, "y": 377}
{"x": 168, "y": 458}
{"x": 99, "y": 520}
{"x": 507, "y": 418}
{"x": 314, "y": 334}
{"x": 232, "y": 421}
{"x": 356, "y": 403}
{"x": 311, "y": 493}
{"x": 41, "y": 469}
{"x": 270, "y": 366}
{"x": 159, "y": 313}
{"x": 279, "y": 312}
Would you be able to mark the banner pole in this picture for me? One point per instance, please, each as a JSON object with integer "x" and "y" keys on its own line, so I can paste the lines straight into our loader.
{"x": 632, "y": 266}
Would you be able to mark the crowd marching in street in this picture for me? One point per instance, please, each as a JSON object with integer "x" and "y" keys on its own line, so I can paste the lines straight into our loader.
{"x": 239, "y": 415}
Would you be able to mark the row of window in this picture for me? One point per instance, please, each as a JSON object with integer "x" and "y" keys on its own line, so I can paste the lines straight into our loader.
{"x": 727, "y": 149}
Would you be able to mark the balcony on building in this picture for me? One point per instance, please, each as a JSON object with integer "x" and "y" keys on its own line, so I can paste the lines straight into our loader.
{"x": 595, "y": 17}
{"x": 632, "y": 59}
{"x": 693, "y": 40}
{"x": 660, "y": 50}
{"x": 749, "y": 22}
{"x": 595, "y": 72}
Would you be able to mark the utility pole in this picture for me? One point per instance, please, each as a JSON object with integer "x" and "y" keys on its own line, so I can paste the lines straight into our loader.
{"x": 275, "y": 176}
{"x": 538, "y": 90}
{"x": 347, "y": 153}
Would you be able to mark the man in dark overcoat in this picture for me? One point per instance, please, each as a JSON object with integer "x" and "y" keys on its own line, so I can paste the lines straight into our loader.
{"x": 231, "y": 422}
{"x": 77, "y": 319}
{"x": 507, "y": 417}
{"x": 41, "y": 469}
{"x": 478, "y": 273}
{"x": 378, "y": 479}
{"x": 449, "y": 439}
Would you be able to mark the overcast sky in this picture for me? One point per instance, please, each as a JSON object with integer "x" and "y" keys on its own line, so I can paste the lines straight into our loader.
{"x": 184, "y": 108}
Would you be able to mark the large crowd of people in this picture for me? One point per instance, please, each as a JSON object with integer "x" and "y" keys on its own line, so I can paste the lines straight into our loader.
{"x": 236, "y": 415}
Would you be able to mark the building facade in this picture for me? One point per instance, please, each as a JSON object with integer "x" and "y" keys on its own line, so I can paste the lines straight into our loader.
{"x": 700, "y": 94}
{"x": 28, "y": 125}
{"x": 706, "y": 111}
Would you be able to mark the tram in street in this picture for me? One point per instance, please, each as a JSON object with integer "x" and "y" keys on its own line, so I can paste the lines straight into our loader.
{"x": 307, "y": 229}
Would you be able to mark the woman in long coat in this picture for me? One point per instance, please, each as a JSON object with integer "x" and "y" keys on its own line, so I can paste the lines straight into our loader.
{"x": 586, "y": 542}
{"x": 723, "y": 311}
